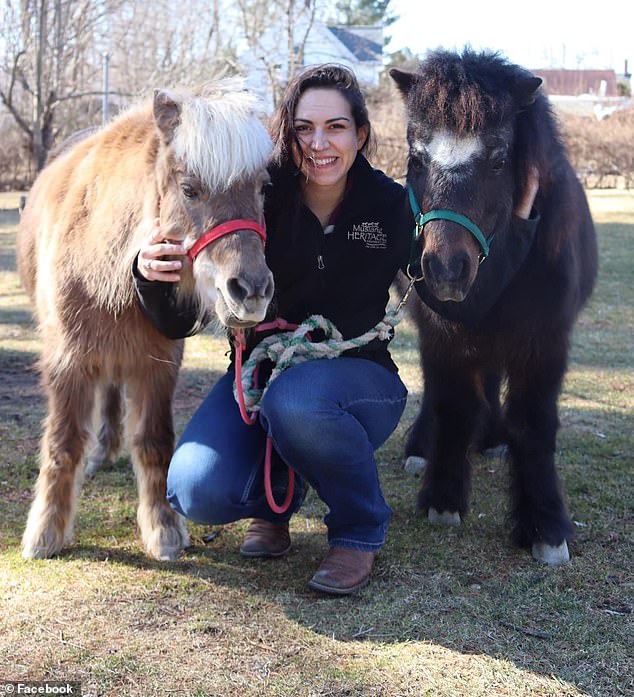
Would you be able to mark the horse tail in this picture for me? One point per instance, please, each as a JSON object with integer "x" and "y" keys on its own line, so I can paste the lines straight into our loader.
{"x": 26, "y": 248}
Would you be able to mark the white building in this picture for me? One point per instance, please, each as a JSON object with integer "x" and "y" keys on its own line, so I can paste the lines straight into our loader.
{"x": 265, "y": 58}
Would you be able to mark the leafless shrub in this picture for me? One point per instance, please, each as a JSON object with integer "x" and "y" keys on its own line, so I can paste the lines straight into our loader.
{"x": 15, "y": 162}
{"x": 387, "y": 115}
{"x": 601, "y": 151}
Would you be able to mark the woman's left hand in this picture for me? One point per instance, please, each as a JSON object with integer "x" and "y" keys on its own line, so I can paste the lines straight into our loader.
{"x": 525, "y": 204}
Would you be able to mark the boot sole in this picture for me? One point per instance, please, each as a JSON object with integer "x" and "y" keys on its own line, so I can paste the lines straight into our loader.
{"x": 264, "y": 555}
{"x": 333, "y": 590}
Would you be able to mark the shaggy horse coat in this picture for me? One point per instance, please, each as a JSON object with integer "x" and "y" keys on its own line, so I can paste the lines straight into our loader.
{"x": 477, "y": 126}
{"x": 195, "y": 160}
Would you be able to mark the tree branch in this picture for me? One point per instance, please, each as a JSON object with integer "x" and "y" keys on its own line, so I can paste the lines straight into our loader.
{"x": 18, "y": 119}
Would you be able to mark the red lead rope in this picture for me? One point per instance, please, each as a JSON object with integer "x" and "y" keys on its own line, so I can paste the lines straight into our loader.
{"x": 240, "y": 344}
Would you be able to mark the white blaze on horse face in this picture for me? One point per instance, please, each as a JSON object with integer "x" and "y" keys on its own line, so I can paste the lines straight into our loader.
{"x": 451, "y": 152}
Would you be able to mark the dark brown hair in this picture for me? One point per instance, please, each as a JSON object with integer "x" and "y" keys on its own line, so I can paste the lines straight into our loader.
{"x": 326, "y": 76}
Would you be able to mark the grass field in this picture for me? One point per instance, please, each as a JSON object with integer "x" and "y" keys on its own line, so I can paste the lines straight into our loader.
{"x": 449, "y": 612}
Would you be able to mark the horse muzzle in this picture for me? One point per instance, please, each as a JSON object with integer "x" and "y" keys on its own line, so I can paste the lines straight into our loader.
{"x": 449, "y": 262}
{"x": 243, "y": 300}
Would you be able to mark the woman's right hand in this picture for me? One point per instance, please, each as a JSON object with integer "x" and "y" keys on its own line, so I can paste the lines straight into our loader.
{"x": 150, "y": 260}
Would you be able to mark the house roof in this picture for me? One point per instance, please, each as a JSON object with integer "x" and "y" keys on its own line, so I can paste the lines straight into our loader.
{"x": 576, "y": 82}
{"x": 361, "y": 48}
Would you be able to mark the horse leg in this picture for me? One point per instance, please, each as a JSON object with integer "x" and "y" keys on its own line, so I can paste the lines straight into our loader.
{"x": 418, "y": 439}
{"x": 70, "y": 399}
{"x": 417, "y": 444}
{"x": 456, "y": 403}
{"x": 110, "y": 432}
{"x": 538, "y": 514}
{"x": 162, "y": 530}
{"x": 492, "y": 435}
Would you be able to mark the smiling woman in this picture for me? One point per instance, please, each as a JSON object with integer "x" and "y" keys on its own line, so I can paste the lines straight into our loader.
{"x": 327, "y": 144}
{"x": 334, "y": 246}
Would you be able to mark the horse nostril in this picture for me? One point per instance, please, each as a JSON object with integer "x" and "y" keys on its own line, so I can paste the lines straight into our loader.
{"x": 239, "y": 289}
{"x": 459, "y": 267}
{"x": 432, "y": 267}
{"x": 456, "y": 270}
{"x": 269, "y": 288}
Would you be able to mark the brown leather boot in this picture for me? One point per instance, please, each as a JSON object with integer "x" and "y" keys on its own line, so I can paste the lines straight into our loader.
{"x": 264, "y": 539}
{"x": 343, "y": 571}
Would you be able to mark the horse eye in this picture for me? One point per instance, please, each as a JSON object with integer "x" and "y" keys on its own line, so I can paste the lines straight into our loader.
{"x": 498, "y": 165}
{"x": 189, "y": 191}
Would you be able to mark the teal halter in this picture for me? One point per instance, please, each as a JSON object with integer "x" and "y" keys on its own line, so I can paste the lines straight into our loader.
{"x": 421, "y": 220}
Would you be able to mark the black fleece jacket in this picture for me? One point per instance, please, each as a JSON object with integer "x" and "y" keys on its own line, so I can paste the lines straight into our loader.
{"x": 345, "y": 273}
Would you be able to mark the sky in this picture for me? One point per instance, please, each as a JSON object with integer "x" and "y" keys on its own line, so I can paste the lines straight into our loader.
{"x": 536, "y": 34}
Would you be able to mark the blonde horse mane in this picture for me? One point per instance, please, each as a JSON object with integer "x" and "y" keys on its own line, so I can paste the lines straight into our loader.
{"x": 220, "y": 137}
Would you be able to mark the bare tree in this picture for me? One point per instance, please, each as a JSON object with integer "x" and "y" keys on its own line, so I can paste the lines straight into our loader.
{"x": 276, "y": 32}
{"x": 163, "y": 43}
{"x": 51, "y": 57}
{"x": 48, "y": 59}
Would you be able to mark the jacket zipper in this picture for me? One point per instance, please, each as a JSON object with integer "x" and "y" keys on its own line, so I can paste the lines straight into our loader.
{"x": 320, "y": 262}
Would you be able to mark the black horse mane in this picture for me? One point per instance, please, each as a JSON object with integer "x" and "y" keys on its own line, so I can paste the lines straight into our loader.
{"x": 463, "y": 91}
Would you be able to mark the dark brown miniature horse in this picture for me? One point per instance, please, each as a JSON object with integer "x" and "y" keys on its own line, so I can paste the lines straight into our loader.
{"x": 476, "y": 126}
{"x": 197, "y": 160}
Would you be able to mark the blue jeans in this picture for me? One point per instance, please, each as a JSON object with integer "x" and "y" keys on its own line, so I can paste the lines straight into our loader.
{"x": 326, "y": 418}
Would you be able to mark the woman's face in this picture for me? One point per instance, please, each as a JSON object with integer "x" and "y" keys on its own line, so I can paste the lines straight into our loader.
{"x": 328, "y": 136}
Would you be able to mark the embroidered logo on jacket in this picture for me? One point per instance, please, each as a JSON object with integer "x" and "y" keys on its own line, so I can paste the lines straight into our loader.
{"x": 371, "y": 234}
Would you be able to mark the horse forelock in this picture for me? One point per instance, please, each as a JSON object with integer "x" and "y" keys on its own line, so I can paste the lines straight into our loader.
{"x": 221, "y": 139}
{"x": 463, "y": 94}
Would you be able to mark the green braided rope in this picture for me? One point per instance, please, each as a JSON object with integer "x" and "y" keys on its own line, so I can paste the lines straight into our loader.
{"x": 287, "y": 349}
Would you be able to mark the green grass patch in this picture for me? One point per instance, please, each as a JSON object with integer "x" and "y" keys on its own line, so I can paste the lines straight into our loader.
{"x": 449, "y": 612}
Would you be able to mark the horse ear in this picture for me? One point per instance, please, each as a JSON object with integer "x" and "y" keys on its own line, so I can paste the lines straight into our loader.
{"x": 526, "y": 90}
{"x": 167, "y": 112}
{"x": 403, "y": 79}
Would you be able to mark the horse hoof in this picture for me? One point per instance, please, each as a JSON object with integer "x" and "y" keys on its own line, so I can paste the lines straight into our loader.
{"x": 415, "y": 464}
{"x": 554, "y": 556}
{"x": 44, "y": 547}
{"x": 30, "y": 552}
{"x": 496, "y": 451}
{"x": 42, "y": 538}
{"x": 444, "y": 518}
{"x": 166, "y": 543}
{"x": 169, "y": 553}
{"x": 93, "y": 465}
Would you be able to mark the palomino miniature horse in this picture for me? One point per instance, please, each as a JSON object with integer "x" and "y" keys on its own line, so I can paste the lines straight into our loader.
{"x": 476, "y": 126}
{"x": 197, "y": 160}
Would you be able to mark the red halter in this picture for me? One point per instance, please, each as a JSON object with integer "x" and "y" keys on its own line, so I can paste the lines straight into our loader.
{"x": 223, "y": 229}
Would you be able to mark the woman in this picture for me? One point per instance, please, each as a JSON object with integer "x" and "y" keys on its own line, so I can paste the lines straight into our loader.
{"x": 338, "y": 232}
